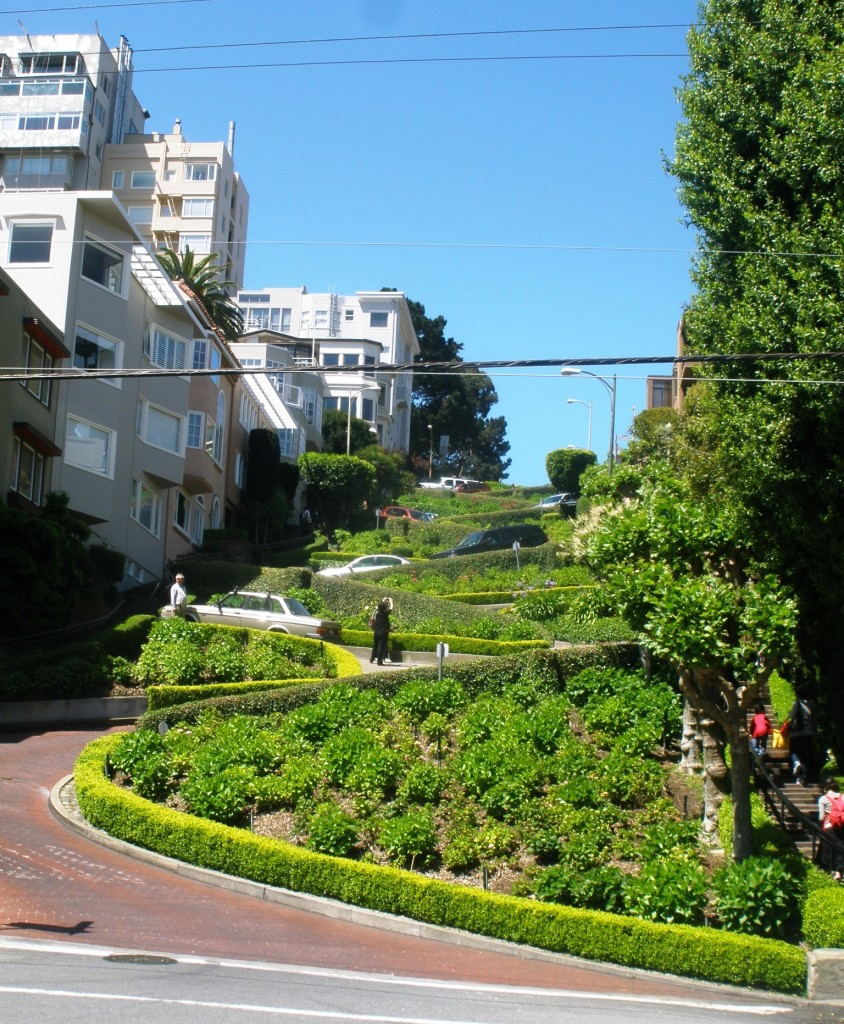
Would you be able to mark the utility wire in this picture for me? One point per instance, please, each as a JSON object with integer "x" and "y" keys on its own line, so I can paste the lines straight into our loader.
{"x": 452, "y": 368}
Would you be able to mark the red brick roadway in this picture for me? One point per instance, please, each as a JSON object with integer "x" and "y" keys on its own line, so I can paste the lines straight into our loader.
{"x": 55, "y": 884}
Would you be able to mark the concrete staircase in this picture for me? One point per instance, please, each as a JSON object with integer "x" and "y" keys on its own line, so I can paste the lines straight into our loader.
{"x": 803, "y": 798}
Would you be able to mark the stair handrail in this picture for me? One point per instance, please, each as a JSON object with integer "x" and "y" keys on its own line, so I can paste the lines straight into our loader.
{"x": 782, "y": 809}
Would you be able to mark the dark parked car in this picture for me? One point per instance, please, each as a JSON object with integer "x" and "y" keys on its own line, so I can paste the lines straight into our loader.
{"x": 528, "y": 536}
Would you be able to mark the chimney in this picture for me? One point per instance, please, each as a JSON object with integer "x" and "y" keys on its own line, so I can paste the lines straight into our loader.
{"x": 177, "y": 127}
{"x": 231, "y": 138}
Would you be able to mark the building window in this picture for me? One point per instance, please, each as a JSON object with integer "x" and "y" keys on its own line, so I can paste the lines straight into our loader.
{"x": 349, "y": 314}
{"x": 286, "y": 442}
{"x": 30, "y": 242}
{"x": 181, "y": 511}
{"x": 239, "y": 471}
{"x": 143, "y": 179}
{"x": 36, "y": 360}
{"x": 379, "y": 319}
{"x": 163, "y": 349}
{"x": 247, "y": 414}
{"x": 145, "y": 507}
{"x": 196, "y": 422}
{"x": 367, "y": 409}
{"x": 215, "y": 513}
{"x": 200, "y": 172}
{"x": 117, "y": 179}
{"x": 330, "y": 359}
{"x": 103, "y": 265}
{"x": 99, "y": 112}
{"x": 51, "y": 63}
{"x": 350, "y": 359}
{"x": 220, "y": 429}
{"x": 98, "y": 149}
{"x": 198, "y": 208}
{"x": 197, "y": 530}
{"x": 200, "y": 353}
{"x": 159, "y": 428}
{"x": 91, "y": 352}
{"x": 199, "y": 244}
{"x": 89, "y": 447}
{"x": 140, "y": 215}
{"x": 27, "y": 472}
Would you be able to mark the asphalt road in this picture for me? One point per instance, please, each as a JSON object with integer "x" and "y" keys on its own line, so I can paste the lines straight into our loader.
{"x": 58, "y": 886}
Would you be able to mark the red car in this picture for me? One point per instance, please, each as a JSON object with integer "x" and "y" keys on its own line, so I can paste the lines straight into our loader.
{"x": 400, "y": 512}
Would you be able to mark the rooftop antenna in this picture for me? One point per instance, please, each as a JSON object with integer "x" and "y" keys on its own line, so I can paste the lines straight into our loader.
{"x": 23, "y": 29}
{"x": 97, "y": 27}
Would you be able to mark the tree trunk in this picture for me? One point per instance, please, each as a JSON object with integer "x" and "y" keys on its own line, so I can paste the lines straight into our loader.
{"x": 740, "y": 762}
{"x": 691, "y": 742}
{"x": 715, "y": 776}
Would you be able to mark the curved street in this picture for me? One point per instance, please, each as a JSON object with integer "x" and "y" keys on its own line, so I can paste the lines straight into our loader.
{"x": 57, "y": 885}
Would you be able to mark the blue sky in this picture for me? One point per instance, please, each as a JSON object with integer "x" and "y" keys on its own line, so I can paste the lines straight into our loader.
{"x": 521, "y": 198}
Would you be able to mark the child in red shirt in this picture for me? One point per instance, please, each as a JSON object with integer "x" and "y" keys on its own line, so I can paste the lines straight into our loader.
{"x": 760, "y": 728}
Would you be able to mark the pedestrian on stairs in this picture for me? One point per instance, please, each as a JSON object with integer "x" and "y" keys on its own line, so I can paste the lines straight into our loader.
{"x": 831, "y": 817}
{"x": 800, "y": 725}
{"x": 760, "y": 729}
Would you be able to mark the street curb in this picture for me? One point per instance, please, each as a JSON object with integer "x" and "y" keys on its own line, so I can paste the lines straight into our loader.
{"x": 63, "y": 806}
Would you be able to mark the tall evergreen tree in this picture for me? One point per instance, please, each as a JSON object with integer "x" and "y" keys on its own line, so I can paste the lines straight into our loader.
{"x": 456, "y": 405}
{"x": 760, "y": 165}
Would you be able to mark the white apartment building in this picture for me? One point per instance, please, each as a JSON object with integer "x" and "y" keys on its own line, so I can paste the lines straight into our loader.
{"x": 119, "y": 442}
{"x": 63, "y": 99}
{"x": 349, "y": 337}
{"x": 182, "y": 195}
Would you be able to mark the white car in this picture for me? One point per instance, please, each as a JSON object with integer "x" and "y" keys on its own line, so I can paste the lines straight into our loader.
{"x": 554, "y": 501}
{"x": 366, "y": 563}
{"x": 272, "y": 612}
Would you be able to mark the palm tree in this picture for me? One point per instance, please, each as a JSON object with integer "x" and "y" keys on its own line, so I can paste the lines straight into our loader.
{"x": 202, "y": 278}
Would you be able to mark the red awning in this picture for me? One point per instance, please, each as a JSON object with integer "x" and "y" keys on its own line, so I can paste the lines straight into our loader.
{"x": 40, "y": 442}
{"x": 44, "y": 336}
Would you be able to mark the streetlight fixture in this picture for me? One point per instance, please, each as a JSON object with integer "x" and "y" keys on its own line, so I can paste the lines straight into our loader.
{"x": 579, "y": 401}
{"x": 356, "y": 394}
{"x": 430, "y": 450}
{"x": 574, "y": 371}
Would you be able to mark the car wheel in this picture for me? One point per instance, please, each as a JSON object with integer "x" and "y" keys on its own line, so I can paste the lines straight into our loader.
{"x": 278, "y": 629}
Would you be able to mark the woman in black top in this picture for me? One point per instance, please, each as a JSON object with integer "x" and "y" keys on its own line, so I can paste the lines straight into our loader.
{"x": 381, "y": 630}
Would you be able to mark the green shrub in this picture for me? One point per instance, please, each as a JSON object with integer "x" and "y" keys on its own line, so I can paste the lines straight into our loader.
{"x": 598, "y": 888}
{"x": 142, "y": 756}
{"x": 419, "y": 700}
{"x": 409, "y": 837}
{"x": 297, "y": 782}
{"x": 823, "y": 916}
{"x": 332, "y": 831}
{"x": 423, "y": 784}
{"x": 758, "y": 896}
{"x": 670, "y": 891}
{"x": 223, "y": 796}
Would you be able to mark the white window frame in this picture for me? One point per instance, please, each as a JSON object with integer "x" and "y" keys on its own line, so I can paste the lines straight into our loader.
{"x": 150, "y": 417}
{"x": 145, "y": 507}
{"x": 141, "y": 215}
{"x": 117, "y": 179}
{"x": 199, "y": 244}
{"x": 25, "y": 454}
{"x": 142, "y": 179}
{"x": 375, "y": 318}
{"x": 197, "y": 525}
{"x": 163, "y": 349}
{"x": 112, "y": 276}
{"x": 103, "y": 345}
{"x": 181, "y": 512}
{"x": 197, "y": 206}
{"x": 38, "y": 360}
{"x": 218, "y": 450}
{"x": 34, "y": 248}
{"x": 195, "y": 433}
{"x": 200, "y": 171}
{"x": 102, "y": 467}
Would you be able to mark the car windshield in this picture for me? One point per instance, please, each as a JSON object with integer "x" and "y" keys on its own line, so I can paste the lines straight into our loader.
{"x": 473, "y": 538}
{"x": 296, "y": 607}
{"x": 232, "y": 601}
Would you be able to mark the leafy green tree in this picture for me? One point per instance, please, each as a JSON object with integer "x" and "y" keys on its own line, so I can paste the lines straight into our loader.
{"x": 456, "y": 404}
{"x": 565, "y": 466}
{"x": 341, "y": 483}
{"x": 266, "y": 506}
{"x": 203, "y": 277}
{"x": 335, "y": 424}
{"x": 392, "y": 477}
{"x": 760, "y": 166}
{"x": 675, "y": 569}
{"x": 45, "y": 563}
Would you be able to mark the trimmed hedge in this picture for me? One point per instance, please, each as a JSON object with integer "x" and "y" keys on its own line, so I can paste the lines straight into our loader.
{"x": 476, "y": 677}
{"x": 675, "y": 949}
{"x": 340, "y": 663}
{"x": 456, "y": 644}
{"x": 823, "y": 916}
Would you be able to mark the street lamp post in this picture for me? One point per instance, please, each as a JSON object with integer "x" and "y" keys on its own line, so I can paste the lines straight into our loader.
{"x": 573, "y": 371}
{"x": 579, "y": 401}
{"x": 430, "y": 450}
{"x": 355, "y": 394}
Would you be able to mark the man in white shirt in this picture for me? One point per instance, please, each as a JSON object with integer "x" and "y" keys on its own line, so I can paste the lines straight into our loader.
{"x": 179, "y": 596}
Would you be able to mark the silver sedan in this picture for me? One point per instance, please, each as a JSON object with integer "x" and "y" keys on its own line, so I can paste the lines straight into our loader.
{"x": 272, "y": 612}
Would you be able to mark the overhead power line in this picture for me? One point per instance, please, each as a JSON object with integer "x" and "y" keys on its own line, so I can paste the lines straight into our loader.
{"x": 429, "y": 368}
{"x": 103, "y": 6}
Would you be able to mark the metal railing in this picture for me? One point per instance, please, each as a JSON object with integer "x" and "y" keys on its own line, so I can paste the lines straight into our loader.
{"x": 825, "y": 845}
